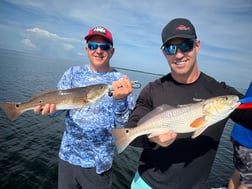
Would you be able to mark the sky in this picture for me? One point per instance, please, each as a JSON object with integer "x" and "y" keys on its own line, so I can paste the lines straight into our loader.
{"x": 56, "y": 29}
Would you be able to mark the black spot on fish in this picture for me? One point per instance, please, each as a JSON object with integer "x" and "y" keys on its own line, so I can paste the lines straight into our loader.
{"x": 127, "y": 131}
{"x": 110, "y": 93}
{"x": 17, "y": 105}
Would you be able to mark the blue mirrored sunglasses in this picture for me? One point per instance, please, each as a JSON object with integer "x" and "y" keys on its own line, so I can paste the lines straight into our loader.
{"x": 103, "y": 46}
{"x": 185, "y": 46}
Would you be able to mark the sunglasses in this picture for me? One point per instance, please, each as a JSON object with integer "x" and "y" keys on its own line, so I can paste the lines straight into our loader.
{"x": 185, "y": 46}
{"x": 103, "y": 46}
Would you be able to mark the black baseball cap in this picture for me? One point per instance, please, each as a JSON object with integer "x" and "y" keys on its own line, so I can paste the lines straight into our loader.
{"x": 178, "y": 28}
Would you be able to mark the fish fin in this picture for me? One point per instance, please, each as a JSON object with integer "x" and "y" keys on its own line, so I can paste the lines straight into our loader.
{"x": 156, "y": 111}
{"x": 122, "y": 138}
{"x": 190, "y": 104}
{"x": 195, "y": 100}
{"x": 43, "y": 93}
{"x": 198, "y": 122}
{"x": 84, "y": 103}
{"x": 198, "y": 99}
{"x": 185, "y": 105}
{"x": 11, "y": 110}
{"x": 198, "y": 132}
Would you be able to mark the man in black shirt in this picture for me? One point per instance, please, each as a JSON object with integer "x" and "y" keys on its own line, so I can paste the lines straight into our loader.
{"x": 170, "y": 160}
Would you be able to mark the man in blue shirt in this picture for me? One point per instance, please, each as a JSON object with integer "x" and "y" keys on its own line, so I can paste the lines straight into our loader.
{"x": 87, "y": 146}
{"x": 242, "y": 144}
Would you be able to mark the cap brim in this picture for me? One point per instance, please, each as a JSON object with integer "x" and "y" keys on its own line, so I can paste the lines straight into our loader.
{"x": 186, "y": 36}
{"x": 97, "y": 34}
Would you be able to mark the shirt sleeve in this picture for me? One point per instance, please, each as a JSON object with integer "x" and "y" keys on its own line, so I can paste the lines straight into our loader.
{"x": 122, "y": 109}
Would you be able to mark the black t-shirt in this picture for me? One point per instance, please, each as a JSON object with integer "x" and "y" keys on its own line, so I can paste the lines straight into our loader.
{"x": 187, "y": 162}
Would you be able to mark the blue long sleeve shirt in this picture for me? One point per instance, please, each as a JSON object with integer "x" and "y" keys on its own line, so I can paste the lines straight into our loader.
{"x": 87, "y": 141}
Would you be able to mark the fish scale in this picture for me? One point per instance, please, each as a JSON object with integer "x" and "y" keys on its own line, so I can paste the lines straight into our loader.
{"x": 176, "y": 120}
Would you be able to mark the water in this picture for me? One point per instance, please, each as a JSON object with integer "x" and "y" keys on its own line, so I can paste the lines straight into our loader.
{"x": 29, "y": 146}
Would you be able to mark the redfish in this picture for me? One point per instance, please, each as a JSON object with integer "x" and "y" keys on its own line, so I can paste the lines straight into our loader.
{"x": 74, "y": 98}
{"x": 195, "y": 118}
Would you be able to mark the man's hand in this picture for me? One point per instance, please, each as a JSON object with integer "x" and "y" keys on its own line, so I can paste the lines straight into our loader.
{"x": 165, "y": 139}
{"x": 45, "y": 110}
{"x": 122, "y": 88}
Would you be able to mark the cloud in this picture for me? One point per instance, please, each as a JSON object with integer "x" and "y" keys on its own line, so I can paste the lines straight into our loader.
{"x": 68, "y": 47}
{"x": 43, "y": 33}
{"x": 57, "y": 28}
{"x": 48, "y": 35}
{"x": 28, "y": 43}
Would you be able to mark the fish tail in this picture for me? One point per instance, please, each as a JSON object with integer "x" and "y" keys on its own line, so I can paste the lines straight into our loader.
{"x": 122, "y": 138}
{"x": 11, "y": 110}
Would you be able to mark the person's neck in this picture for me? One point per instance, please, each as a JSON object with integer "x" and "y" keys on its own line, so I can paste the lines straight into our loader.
{"x": 101, "y": 68}
{"x": 186, "y": 79}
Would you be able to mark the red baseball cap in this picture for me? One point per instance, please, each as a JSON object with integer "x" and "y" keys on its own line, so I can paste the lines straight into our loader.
{"x": 100, "y": 31}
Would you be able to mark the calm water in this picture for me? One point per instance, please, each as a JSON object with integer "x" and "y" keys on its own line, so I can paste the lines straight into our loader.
{"x": 29, "y": 146}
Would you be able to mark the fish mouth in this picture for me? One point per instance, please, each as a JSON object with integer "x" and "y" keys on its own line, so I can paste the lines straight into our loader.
{"x": 236, "y": 105}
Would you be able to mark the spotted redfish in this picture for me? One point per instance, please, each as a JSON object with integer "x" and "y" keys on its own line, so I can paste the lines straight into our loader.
{"x": 195, "y": 118}
{"x": 74, "y": 98}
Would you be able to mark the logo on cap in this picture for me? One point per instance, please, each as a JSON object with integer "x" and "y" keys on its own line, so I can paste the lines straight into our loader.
{"x": 183, "y": 27}
{"x": 100, "y": 29}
